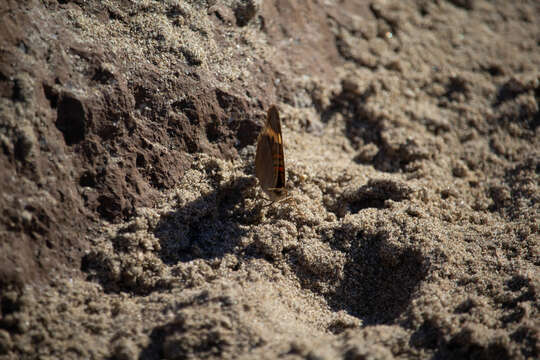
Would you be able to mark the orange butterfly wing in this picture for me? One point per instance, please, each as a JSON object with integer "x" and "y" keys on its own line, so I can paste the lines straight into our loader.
{"x": 269, "y": 159}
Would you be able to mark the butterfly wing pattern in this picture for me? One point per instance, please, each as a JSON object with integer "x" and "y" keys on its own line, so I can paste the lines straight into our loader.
{"x": 269, "y": 159}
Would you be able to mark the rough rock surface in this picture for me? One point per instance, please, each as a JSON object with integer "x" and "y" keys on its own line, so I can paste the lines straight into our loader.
{"x": 132, "y": 225}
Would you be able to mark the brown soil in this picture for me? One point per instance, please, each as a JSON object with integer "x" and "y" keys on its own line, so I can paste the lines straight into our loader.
{"x": 132, "y": 225}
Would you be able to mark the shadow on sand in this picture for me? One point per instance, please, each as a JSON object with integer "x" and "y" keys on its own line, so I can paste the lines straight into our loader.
{"x": 208, "y": 227}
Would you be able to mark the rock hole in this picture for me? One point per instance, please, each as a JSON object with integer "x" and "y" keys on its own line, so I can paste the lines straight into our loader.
{"x": 87, "y": 179}
{"x": 51, "y": 94}
{"x": 71, "y": 120}
{"x": 140, "y": 162}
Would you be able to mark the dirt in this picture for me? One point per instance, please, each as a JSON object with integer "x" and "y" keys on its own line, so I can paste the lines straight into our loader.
{"x": 132, "y": 225}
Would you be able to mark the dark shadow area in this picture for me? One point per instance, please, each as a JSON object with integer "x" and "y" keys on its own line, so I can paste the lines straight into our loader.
{"x": 521, "y": 291}
{"x": 510, "y": 90}
{"x": 462, "y": 345}
{"x": 205, "y": 228}
{"x": 154, "y": 350}
{"x": 72, "y": 119}
{"x": 201, "y": 332}
{"x": 513, "y": 106}
{"x": 526, "y": 335}
{"x": 467, "y": 344}
{"x": 175, "y": 340}
{"x": 372, "y": 195}
{"x": 10, "y": 304}
{"x": 379, "y": 280}
{"x": 515, "y": 197}
{"x": 457, "y": 89}
{"x": 427, "y": 336}
{"x": 363, "y": 129}
{"x": 360, "y": 125}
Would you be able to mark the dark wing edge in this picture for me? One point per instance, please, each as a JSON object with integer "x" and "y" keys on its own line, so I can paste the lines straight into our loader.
{"x": 275, "y": 123}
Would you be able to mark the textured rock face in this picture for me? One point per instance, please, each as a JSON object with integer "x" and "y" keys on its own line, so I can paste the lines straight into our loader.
{"x": 131, "y": 225}
{"x": 87, "y": 132}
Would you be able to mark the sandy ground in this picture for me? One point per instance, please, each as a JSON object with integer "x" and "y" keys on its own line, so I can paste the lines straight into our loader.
{"x": 412, "y": 152}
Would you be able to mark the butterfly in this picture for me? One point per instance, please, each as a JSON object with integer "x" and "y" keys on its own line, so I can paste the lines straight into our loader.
{"x": 269, "y": 159}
